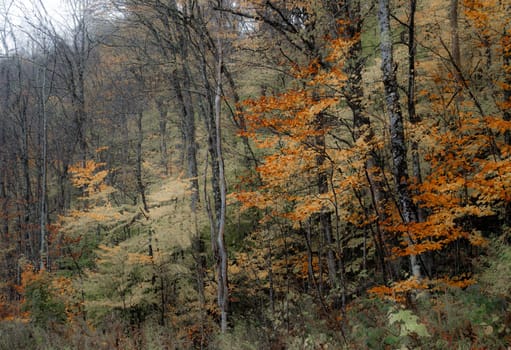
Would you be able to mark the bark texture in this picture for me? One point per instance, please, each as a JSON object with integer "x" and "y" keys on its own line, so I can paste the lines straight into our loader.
{"x": 397, "y": 134}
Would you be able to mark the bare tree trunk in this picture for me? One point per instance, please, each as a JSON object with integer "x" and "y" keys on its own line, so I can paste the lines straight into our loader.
{"x": 190, "y": 144}
{"x": 411, "y": 62}
{"x": 351, "y": 27}
{"x": 325, "y": 216}
{"x": 199, "y": 255}
{"x": 188, "y": 131}
{"x": 22, "y": 106}
{"x": 507, "y": 91}
{"x": 208, "y": 110}
{"x": 80, "y": 113}
{"x": 239, "y": 119}
{"x": 397, "y": 136}
{"x": 4, "y": 200}
{"x": 210, "y": 105}
{"x": 455, "y": 37}
{"x": 80, "y": 51}
{"x": 43, "y": 210}
{"x": 271, "y": 291}
{"x": 507, "y": 100}
{"x": 163, "y": 110}
{"x": 223, "y": 288}
{"x": 140, "y": 182}
{"x": 412, "y": 115}
{"x": 188, "y": 120}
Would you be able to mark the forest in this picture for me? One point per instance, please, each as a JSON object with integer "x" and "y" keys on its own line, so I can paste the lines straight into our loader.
{"x": 255, "y": 174}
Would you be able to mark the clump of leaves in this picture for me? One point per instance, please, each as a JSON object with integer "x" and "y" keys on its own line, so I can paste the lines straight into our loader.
{"x": 40, "y": 299}
{"x": 408, "y": 324}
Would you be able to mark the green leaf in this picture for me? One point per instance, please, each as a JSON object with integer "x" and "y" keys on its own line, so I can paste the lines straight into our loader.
{"x": 408, "y": 322}
{"x": 391, "y": 340}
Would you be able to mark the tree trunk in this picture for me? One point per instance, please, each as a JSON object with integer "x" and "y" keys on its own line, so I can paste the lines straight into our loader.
{"x": 183, "y": 99}
{"x": 351, "y": 27}
{"x": 325, "y": 216}
{"x": 140, "y": 182}
{"x": 223, "y": 288}
{"x": 208, "y": 110}
{"x": 163, "y": 110}
{"x": 239, "y": 118}
{"x": 455, "y": 38}
{"x": 43, "y": 253}
{"x": 190, "y": 145}
{"x": 412, "y": 114}
{"x": 4, "y": 200}
{"x": 397, "y": 136}
{"x": 80, "y": 113}
{"x": 507, "y": 89}
{"x": 26, "y": 187}
{"x": 210, "y": 105}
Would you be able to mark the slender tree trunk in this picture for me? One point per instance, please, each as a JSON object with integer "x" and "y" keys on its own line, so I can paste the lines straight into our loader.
{"x": 397, "y": 136}
{"x": 163, "y": 110}
{"x": 30, "y": 249}
{"x": 412, "y": 114}
{"x": 413, "y": 117}
{"x": 208, "y": 109}
{"x": 191, "y": 147}
{"x": 271, "y": 291}
{"x": 223, "y": 288}
{"x": 63, "y": 198}
{"x": 351, "y": 28}
{"x": 43, "y": 210}
{"x": 239, "y": 119}
{"x": 80, "y": 50}
{"x": 189, "y": 117}
{"x": 210, "y": 105}
{"x": 456, "y": 53}
{"x": 4, "y": 200}
{"x": 507, "y": 99}
{"x": 312, "y": 283}
{"x": 325, "y": 216}
{"x": 199, "y": 254}
{"x": 140, "y": 182}
{"x": 507, "y": 89}
{"x": 411, "y": 63}
{"x": 455, "y": 37}
{"x": 184, "y": 102}
{"x": 81, "y": 114}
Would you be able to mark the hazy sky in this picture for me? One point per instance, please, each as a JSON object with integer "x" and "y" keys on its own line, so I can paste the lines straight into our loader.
{"x": 18, "y": 10}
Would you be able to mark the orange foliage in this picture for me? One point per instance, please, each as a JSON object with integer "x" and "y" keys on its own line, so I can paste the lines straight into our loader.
{"x": 28, "y": 276}
{"x": 288, "y": 126}
{"x": 470, "y": 177}
{"x": 468, "y": 163}
{"x": 398, "y": 291}
{"x": 88, "y": 176}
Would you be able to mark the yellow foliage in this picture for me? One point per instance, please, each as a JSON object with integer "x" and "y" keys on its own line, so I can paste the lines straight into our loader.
{"x": 398, "y": 290}
{"x": 137, "y": 258}
{"x": 88, "y": 176}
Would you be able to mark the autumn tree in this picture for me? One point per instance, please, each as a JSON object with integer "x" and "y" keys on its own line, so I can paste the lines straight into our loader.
{"x": 300, "y": 179}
